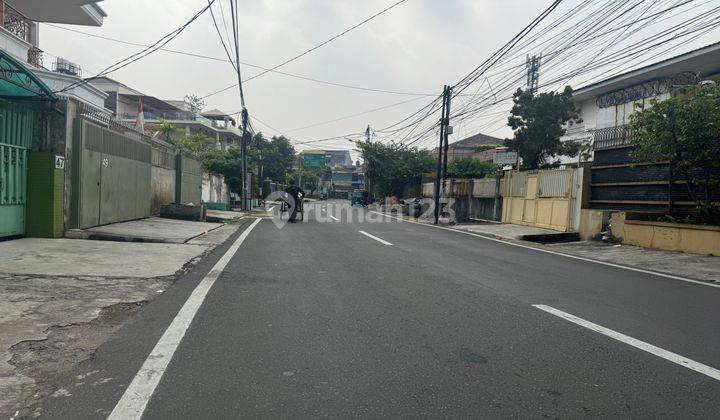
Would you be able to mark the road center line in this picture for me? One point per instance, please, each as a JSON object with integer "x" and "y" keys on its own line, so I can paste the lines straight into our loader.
{"x": 657, "y": 351}
{"x": 547, "y": 251}
{"x": 382, "y": 241}
{"x": 133, "y": 402}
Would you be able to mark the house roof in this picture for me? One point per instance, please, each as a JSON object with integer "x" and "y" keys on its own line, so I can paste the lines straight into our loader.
{"x": 704, "y": 62}
{"x": 121, "y": 87}
{"x": 216, "y": 114}
{"x": 153, "y": 102}
{"x": 475, "y": 141}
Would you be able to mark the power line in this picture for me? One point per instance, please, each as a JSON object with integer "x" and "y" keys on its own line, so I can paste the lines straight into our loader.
{"x": 322, "y": 44}
{"x": 144, "y": 53}
{"x": 222, "y": 40}
{"x": 244, "y": 63}
{"x": 356, "y": 115}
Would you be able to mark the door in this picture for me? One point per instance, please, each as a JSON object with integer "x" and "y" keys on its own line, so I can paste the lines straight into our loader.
{"x": 16, "y": 130}
{"x": 529, "y": 212}
{"x": 13, "y": 191}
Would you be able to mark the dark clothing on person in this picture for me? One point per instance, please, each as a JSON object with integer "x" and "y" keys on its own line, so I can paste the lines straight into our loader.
{"x": 297, "y": 194}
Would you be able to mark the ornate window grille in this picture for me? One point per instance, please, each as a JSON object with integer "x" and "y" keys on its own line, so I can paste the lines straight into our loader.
{"x": 16, "y": 23}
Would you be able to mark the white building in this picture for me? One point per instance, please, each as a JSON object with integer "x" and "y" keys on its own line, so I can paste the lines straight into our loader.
{"x": 123, "y": 102}
{"x": 606, "y": 106}
{"x": 20, "y": 37}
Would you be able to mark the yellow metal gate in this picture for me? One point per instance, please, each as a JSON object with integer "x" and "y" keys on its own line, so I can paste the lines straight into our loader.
{"x": 540, "y": 198}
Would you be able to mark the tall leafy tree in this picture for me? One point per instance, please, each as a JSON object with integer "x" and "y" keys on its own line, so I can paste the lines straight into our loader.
{"x": 538, "y": 122}
{"x": 684, "y": 131}
{"x": 471, "y": 168}
{"x": 392, "y": 166}
{"x": 196, "y": 143}
{"x": 278, "y": 156}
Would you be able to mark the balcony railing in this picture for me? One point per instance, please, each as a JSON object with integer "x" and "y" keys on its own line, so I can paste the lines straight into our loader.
{"x": 612, "y": 137}
{"x": 16, "y": 23}
{"x": 169, "y": 116}
{"x": 179, "y": 117}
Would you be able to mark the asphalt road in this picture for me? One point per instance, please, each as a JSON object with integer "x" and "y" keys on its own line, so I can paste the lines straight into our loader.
{"x": 318, "y": 319}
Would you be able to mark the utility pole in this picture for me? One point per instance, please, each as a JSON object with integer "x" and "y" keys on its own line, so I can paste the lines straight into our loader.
{"x": 533, "y": 72}
{"x": 243, "y": 157}
{"x": 532, "y": 65}
{"x": 442, "y": 149}
{"x": 244, "y": 193}
{"x": 446, "y": 133}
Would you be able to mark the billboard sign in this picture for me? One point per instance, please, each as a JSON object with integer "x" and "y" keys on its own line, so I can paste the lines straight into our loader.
{"x": 314, "y": 159}
{"x": 505, "y": 158}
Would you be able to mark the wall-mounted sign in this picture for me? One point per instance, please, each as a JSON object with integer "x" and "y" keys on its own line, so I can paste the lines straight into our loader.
{"x": 505, "y": 158}
{"x": 59, "y": 162}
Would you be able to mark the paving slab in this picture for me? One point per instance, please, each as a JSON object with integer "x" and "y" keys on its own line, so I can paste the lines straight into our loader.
{"x": 77, "y": 257}
{"x": 217, "y": 236}
{"x": 153, "y": 229}
{"x": 223, "y": 216}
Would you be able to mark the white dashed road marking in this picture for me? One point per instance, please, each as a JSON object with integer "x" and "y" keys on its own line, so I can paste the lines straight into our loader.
{"x": 382, "y": 241}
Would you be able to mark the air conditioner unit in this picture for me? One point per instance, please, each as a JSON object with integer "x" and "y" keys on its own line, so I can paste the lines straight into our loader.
{"x": 67, "y": 67}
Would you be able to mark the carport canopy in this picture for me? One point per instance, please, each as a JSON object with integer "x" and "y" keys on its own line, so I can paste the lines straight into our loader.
{"x": 18, "y": 82}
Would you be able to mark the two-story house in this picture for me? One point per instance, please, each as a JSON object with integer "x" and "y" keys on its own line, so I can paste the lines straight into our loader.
{"x": 618, "y": 183}
{"x": 124, "y": 101}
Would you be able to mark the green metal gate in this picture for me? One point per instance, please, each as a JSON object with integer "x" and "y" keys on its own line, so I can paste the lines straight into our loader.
{"x": 188, "y": 186}
{"x": 16, "y": 133}
{"x": 111, "y": 177}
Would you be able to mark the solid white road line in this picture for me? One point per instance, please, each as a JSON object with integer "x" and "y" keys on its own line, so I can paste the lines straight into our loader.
{"x": 657, "y": 351}
{"x": 335, "y": 218}
{"x": 384, "y": 242}
{"x": 547, "y": 251}
{"x": 133, "y": 402}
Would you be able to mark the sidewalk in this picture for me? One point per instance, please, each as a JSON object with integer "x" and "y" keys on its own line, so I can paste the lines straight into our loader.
{"x": 61, "y": 298}
{"x": 153, "y": 229}
{"x": 693, "y": 266}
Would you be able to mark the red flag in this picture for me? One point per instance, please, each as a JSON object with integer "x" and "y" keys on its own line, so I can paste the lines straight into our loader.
{"x": 140, "y": 122}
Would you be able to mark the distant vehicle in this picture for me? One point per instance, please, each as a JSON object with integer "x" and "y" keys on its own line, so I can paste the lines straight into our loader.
{"x": 360, "y": 197}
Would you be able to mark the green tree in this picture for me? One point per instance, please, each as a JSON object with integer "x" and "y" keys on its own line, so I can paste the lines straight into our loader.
{"x": 471, "y": 168}
{"x": 166, "y": 128}
{"x": 311, "y": 177}
{"x": 278, "y": 159}
{"x": 684, "y": 131}
{"x": 225, "y": 162}
{"x": 196, "y": 143}
{"x": 538, "y": 122}
{"x": 392, "y": 166}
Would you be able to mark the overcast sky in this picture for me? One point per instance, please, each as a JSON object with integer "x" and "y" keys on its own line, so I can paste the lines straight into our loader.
{"x": 416, "y": 47}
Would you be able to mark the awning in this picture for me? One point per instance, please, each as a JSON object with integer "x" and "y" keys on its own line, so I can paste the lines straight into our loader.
{"x": 18, "y": 82}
